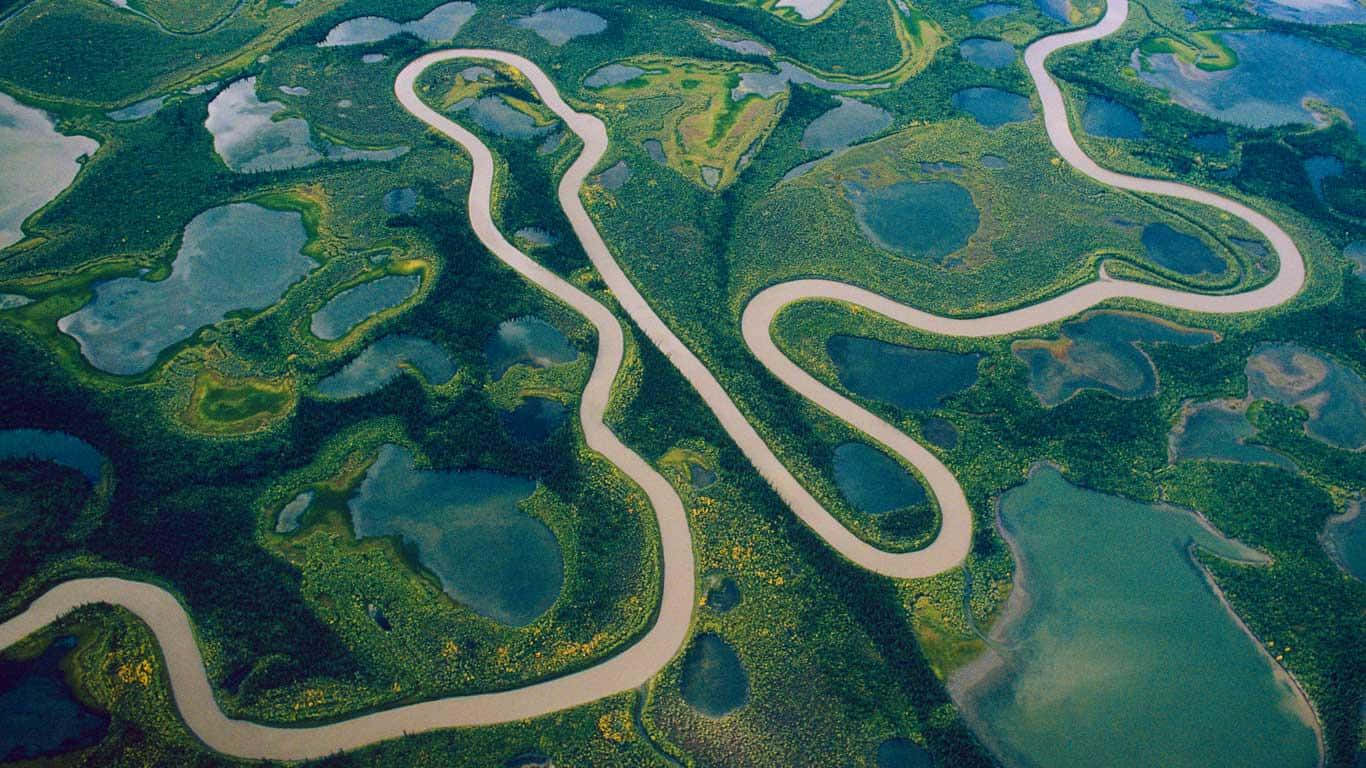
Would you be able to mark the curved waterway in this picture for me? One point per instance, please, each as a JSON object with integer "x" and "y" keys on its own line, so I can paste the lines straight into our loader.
{"x": 641, "y": 661}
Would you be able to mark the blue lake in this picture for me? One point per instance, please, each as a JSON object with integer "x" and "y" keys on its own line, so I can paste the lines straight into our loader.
{"x": 353, "y": 306}
{"x": 558, "y": 26}
{"x": 873, "y": 482}
{"x": 1110, "y": 120}
{"x": 907, "y": 377}
{"x": 527, "y": 341}
{"x": 987, "y": 53}
{"x": 993, "y": 107}
{"x": 380, "y": 363}
{"x": 57, "y": 447}
{"x": 39, "y": 713}
{"x": 39, "y": 164}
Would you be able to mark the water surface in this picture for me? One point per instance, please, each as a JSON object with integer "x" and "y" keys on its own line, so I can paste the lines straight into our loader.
{"x": 1102, "y": 351}
{"x": 928, "y": 220}
{"x": 291, "y": 514}
{"x": 714, "y": 681}
{"x": 1356, "y": 253}
{"x": 351, "y": 307}
{"x": 494, "y": 114}
{"x": 235, "y": 257}
{"x": 400, "y": 201}
{"x": 39, "y": 713}
{"x": 380, "y": 364}
{"x": 991, "y": 11}
{"x": 560, "y": 25}
{"x": 907, "y": 377}
{"x": 1214, "y": 143}
{"x": 1109, "y": 119}
{"x": 987, "y": 53}
{"x": 1218, "y": 431}
{"x": 1312, "y": 11}
{"x": 873, "y": 482}
{"x": 527, "y": 341}
{"x": 1179, "y": 251}
{"x": 56, "y": 447}
{"x": 466, "y": 527}
{"x": 612, "y": 74}
{"x": 1116, "y": 651}
{"x": 535, "y": 419}
{"x": 1333, "y": 394}
{"x": 39, "y": 164}
{"x": 993, "y": 107}
{"x": 903, "y": 753}
{"x": 440, "y": 25}
{"x": 1344, "y": 536}
{"x": 1320, "y": 167}
{"x": 144, "y": 108}
{"x": 850, "y": 122}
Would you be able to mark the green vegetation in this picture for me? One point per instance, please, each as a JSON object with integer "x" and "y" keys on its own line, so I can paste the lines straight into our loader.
{"x": 235, "y": 406}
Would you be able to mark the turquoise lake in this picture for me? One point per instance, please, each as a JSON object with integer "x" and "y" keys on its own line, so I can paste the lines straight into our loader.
{"x": 993, "y": 107}
{"x": 1116, "y": 652}
{"x": 1217, "y": 431}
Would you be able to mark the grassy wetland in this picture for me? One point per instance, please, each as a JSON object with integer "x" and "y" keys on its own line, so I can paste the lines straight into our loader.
{"x": 298, "y": 466}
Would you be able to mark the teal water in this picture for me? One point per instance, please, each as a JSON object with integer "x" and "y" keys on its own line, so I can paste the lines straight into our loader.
{"x": 1312, "y": 11}
{"x": 1344, "y": 537}
{"x": 440, "y": 25}
{"x": 527, "y": 341}
{"x": 612, "y": 74}
{"x": 1101, "y": 351}
{"x": 700, "y": 477}
{"x": 560, "y": 25}
{"x": 1356, "y": 253}
{"x": 39, "y": 164}
{"x": 1179, "y": 251}
{"x": 873, "y": 482}
{"x": 723, "y": 594}
{"x": 903, "y": 753}
{"x": 910, "y": 378}
{"x": 1215, "y": 143}
{"x": 39, "y": 713}
{"x": 50, "y": 445}
{"x": 466, "y": 527}
{"x": 766, "y": 83}
{"x": 1320, "y": 167}
{"x": 534, "y": 419}
{"x": 1218, "y": 432}
{"x": 495, "y": 115}
{"x": 713, "y": 681}
{"x": 13, "y": 301}
{"x": 536, "y": 236}
{"x": 1333, "y": 394}
{"x": 940, "y": 432}
{"x": 991, "y": 11}
{"x": 994, "y": 162}
{"x": 993, "y": 107}
{"x": 250, "y": 137}
{"x": 987, "y": 53}
{"x": 1109, "y": 119}
{"x": 234, "y": 257}
{"x": 927, "y": 220}
{"x": 400, "y": 201}
{"x": 353, "y": 306}
{"x": 656, "y": 151}
{"x": 850, "y": 122}
{"x": 1058, "y": 10}
{"x": 1116, "y": 652}
{"x": 1275, "y": 76}
{"x": 380, "y": 364}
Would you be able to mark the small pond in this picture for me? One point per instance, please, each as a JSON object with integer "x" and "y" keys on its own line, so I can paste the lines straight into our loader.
{"x": 527, "y": 341}
{"x": 144, "y": 108}
{"x": 1356, "y": 253}
{"x": 765, "y": 84}
{"x": 612, "y": 74}
{"x": 235, "y": 257}
{"x": 1102, "y": 351}
{"x": 1115, "y": 651}
{"x": 993, "y": 107}
{"x": 466, "y": 527}
{"x": 380, "y": 363}
{"x": 1058, "y": 10}
{"x": 1331, "y": 393}
{"x": 39, "y": 713}
{"x": 249, "y": 137}
{"x": 987, "y": 53}
{"x": 616, "y": 176}
{"x": 558, "y": 26}
{"x": 1344, "y": 536}
{"x": 700, "y": 477}
{"x": 926, "y": 220}
{"x": 1108, "y": 119}
{"x": 1276, "y": 76}
{"x": 903, "y": 753}
{"x": 807, "y": 9}
{"x": 495, "y": 115}
{"x": 1180, "y": 252}
{"x": 1320, "y": 167}
{"x": 873, "y": 482}
{"x": 353, "y": 306}
{"x": 991, "y": 11}
{"x": 535, "y": 419}
{"x": 723, "y": 594}
{"x": 713, "y": 681}
{"x": 56, "y": 447}
{"x": 1213, "y": 143}
{"x": 910, "y": 378}
{"x": 292, "y": 514}
{"x": 940, "y": 432}
{"x": 13, "y": 301}
{"x": 1312, "y": 11}
{"x": 400, "y": 201}
{"x": 1218, "y": 431}
{"x": 39, "y": 164}
{"x": 536, "y": 237}
{"x": 440, "y": 25}
{"x": 994, "y": 163}
{"x": 850, "y": 122}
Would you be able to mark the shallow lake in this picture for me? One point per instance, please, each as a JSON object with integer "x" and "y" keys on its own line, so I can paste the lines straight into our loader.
{"x": 700, "y": 477}
{"x": 400, "y": 201}
{"x": 39, "y": 713}
{"x": 767, "y": 84}
{"x": 1312, "y": 11}
{"x": 1333, "y": 394}
{"x": 1218, "y": 431}
{"x": 1274, "y": 77}
{"x": 915, "y": 379}
{"x": 713, "y": 681}
{"x": 1116, "y": 651}
{"x": 940, "y": 432}
{"x": 1215, "y": 143}
{"x": 39, "y": 164}
{"x": 616, "y": 176}
{"x": 560, "y": 25}
{"x": 1344, "y": 537}
{"x": 440, "y": 25}
{"x": 353, "y": 306}
{"x": 465, "y": 526}
{"x": 991, "y": 11}
{"x": 1320, "y": 167}
{"x": 1058, "y": 10}
{"x": 723, "y": 594}
{"x": 927, "y": 220}
{"x": 1101, "y": 351}
{"x": 993, "y": 107}
{"x": 903, "y": 753}
{"x": 527, "y": 341}
{"x": 873, "y": 482}
{"x": 1179, "y": 251}
{"x": 1109, "y": 119}
{"x": 535, "y": 419}
{"x": 612, "y": 74}
{"x": 234, "y": 257}
{"x": 987, "y": 53}
{"x": 1356, "y": 253}
{"x": 144, "y": 108}
{"x": 495, "y": 115}
{"x": 249, "y": 138}
{"x": 56, "y": 447}
{"x": 845, "y": 124}
{"x": 292, "y": 514}
{"x": 380, "y": 363}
